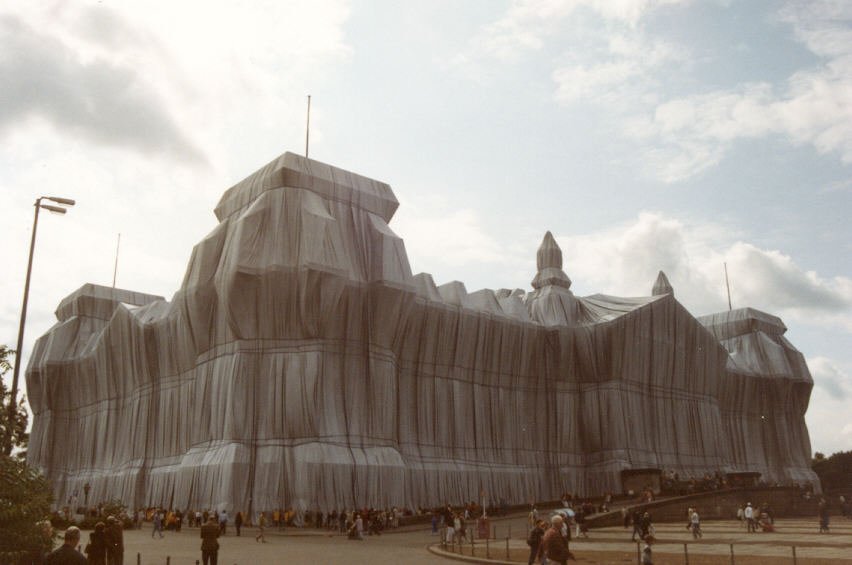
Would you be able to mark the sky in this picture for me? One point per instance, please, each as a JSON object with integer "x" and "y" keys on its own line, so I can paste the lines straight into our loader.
{"x": 647, "y": 135}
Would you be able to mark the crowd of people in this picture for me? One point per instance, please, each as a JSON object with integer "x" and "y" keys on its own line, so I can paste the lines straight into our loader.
{"x": 548, "y": 540}
{"x": 105, "y": 545}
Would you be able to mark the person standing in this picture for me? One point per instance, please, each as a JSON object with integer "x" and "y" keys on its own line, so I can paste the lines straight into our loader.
{"x": 449, "y": 524}
{"x": 457, "y": 528}
{"x": 115, "y": 541}
{"x": 534, "y": 540}
{"x": 636, "y": 518}
{"x": 646, "y": 526}
{"x": 359, "y": 527}
{"x": 749, "y": 516}
{"x": 532, "y": 518}
{"x": 695, "y": 521}
{"x": 238, "y": 522}
{"x": 67, "y": 553}
{"x": 555, "y": 543}
{"x": 261, "y": 526}
{"x": 158, "y": 523}
{"x": 823, "y": 516}
{"x": 210, "y": 542}
{"x": 96, "y": 550}
{"x": 223, "y": 522}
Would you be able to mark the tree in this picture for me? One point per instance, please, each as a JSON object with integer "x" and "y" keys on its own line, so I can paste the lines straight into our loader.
{"x": 13, "y": 422}
{"x": 25, "y": 496}
{"x": 835, "y": 472}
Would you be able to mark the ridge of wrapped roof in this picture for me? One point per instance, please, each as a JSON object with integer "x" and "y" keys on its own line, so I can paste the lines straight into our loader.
{"x": 295, "y": 171}
{"x": 603, "y": 307}
{"x": 740, "y": 321}
{"x": 99, "y": 301}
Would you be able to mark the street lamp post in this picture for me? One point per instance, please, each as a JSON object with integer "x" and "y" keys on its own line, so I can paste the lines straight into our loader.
{"x": 13, "y": 398}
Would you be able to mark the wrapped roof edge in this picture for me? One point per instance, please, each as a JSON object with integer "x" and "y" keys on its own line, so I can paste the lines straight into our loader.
{"x": 291, "y": 170}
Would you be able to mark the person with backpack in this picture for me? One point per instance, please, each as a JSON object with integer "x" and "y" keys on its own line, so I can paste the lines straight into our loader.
{"x": 534, "y": 540}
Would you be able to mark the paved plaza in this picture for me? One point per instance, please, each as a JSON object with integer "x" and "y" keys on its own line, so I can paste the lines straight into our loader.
{"x": 412, "y": 546}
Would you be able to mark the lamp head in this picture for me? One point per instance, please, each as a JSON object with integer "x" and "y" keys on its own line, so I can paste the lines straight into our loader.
{"x": 55, "y": 209}
{"x": 60, "y": 200}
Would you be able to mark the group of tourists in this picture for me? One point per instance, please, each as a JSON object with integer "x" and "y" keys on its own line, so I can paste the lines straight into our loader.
{"x": 104, "y": 547}
{"x": 550, "y": 543}
{"x": 455, "y": 524}
{"x": 672, "y": 483}
{"x": 756, "y": 518}
{"x": 640, "y": 519}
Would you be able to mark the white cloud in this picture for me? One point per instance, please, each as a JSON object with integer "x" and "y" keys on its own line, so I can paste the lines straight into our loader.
{"x": 150, "y": 77}
{"x": 528, "y": 24}
{"x": 611, "y": 61}
{"x": 625, "y": 260}
{"x": 696, "y": 131}
{"x": 580, "y": 82}
{"x": 828, "y": 417}
{"x": 828, "y": 376}
{"x": 619, "y": 73}
{"x": 444, "y": 241}
{"x": 686, "y": 135}
{"x": 106, "y": 103}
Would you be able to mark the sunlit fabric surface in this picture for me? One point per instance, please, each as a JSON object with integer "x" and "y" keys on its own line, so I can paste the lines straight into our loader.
{"x": 302, "y": 365}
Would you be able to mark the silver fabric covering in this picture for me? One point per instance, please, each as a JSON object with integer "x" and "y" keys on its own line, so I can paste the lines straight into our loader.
{"x": 302, "y": 365}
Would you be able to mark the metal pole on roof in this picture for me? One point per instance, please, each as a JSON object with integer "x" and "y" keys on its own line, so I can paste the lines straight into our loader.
{"x": 728, "y": 284}
{"x": 115, "y": 270}
{"x": 308, "y": 128}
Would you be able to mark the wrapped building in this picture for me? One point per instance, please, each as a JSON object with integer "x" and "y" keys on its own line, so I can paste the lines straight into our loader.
{"x": 301, "y": 364}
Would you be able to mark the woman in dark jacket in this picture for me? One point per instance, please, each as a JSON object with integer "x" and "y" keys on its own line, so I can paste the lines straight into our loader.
{"x": 96, "y": 550}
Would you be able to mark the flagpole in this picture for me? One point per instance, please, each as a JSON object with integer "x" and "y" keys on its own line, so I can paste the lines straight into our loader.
{"x": 115, "y": 270}
{"x": 728, "y": 285}
{"x": 308, "y": 128}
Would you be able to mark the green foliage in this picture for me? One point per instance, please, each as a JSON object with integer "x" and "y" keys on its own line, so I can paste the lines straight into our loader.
{"x": 13, "y": 430}
{"x": 835, "y": 472}
{"x": 25, "y": 499}
{"x": 25, "y": 496}
{"x": 114, "y": 507}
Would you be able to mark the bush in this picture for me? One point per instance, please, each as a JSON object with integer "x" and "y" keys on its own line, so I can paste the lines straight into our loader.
{"x": 25, "y": 499}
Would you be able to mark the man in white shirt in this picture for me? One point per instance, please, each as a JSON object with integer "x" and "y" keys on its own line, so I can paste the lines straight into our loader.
{"x": 749, "y": 516}
{"x": 695, "y": 520}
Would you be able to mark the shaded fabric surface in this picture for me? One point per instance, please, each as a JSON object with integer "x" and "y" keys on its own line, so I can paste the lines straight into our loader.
{"x": 301, "y": 364}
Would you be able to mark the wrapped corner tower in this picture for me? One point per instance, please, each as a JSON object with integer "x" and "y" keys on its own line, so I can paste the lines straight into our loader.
{"x": 302, "y": 365}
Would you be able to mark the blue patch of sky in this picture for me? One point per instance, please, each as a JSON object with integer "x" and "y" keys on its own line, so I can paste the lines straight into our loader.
{"x": 744, "y": 42}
